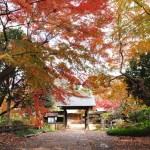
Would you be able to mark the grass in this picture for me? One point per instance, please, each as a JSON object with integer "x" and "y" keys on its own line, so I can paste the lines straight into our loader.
{"x": 135, "y": 132}
{"x": 31, "y": 131}
{"x": 26, "y": 132}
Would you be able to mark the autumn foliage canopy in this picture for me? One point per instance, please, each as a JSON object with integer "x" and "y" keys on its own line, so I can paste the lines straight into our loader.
{"x": 59, "y": 40}
{"x": 46, "y": 42}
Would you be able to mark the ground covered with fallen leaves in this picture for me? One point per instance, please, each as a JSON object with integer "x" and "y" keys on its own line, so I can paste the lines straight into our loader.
{"x": 10, "y": 141}
{"x": 73, "y": 140}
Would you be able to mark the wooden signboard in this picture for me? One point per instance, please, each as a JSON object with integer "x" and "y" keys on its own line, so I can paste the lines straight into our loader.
{"x": 52, "y": 119}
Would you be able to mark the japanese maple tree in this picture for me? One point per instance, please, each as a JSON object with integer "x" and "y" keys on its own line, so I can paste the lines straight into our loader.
{"x": 106, "y": 105}
{"x": 62, "y": 40}
{"x": 129, "y": 34}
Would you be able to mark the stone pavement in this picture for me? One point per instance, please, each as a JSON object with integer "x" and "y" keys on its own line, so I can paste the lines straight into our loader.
{"x": 69, "y": 140}
{"x": 73, "y": 139}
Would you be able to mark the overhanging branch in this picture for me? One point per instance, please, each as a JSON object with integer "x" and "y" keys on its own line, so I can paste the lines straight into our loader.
{"x": 142, "y": 7}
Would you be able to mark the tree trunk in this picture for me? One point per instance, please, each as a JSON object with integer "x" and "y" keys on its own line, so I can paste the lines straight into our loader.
{"x": 8, "y": 112}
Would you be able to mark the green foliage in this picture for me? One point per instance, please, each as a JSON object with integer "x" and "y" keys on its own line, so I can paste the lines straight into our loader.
{"x": 46, "y": 127}
{"x": 12, "y": 34}
{"x": 26, "y": 132}
{"x": 2, "y": 120}
{"x": 17, "y": 122}
{"x": 32, "y": 131}
{"x": 107, "y": 116}
{"x": 128, "y": 125}
{"x": 10, "y": 82}
{"x": 139, "y": 68}
{"x": 140, "y": 116}
{"x": 15, "y": 34}
{"x": 139, "y": 125}
{"x": 49, "y": 101}
{"x": 145, "y": 124}
{"x": 129, "y": 132}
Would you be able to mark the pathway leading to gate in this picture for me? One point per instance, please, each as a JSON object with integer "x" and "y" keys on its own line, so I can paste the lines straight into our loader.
{"x": 70, "y": 140}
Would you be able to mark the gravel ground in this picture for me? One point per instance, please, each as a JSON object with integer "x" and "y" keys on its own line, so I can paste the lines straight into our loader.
{"x": 73, "y": 140}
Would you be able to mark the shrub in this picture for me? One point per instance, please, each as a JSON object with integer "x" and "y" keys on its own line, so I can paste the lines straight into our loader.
{"x": 31, "y": 131}
{"x": 108, "y": 116}
{"x": 119, "y": 123}
{"x": 129, "y": 132}
{"x": 2, "y": 120}
{"x": 140, "y": 116}
{"x": 46, "y": 127}
{"x": 25, "y": 132}
{"x": 129, "y": 125}
{"x": 145, "y": 124}
{"x": 17, "y": 122}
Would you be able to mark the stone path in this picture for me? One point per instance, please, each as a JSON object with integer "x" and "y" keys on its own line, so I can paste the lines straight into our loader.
{"x": 70, "y": 140}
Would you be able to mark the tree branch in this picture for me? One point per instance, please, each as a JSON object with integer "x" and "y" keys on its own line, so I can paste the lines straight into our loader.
{"x": 6, "y": 72}
{"x": 142, "y": 7}
{"x": 15, "y": 106}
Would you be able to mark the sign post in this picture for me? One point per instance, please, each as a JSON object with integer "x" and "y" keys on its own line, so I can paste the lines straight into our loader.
{"x": 52, "y": 118}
